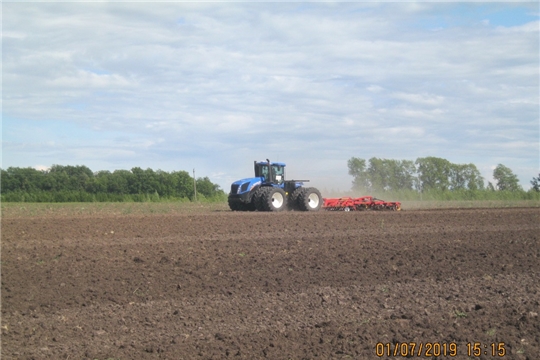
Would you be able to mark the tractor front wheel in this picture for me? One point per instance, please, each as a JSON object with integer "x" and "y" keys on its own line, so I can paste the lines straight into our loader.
{"x": 258, "y": 198}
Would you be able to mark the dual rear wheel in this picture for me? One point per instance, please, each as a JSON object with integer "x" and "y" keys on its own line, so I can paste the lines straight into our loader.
{"x": 310, "y": 199}
{"x": 275, "y": 199}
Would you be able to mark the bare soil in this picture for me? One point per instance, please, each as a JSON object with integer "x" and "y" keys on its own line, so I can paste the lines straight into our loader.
{"x": 221, "y": 284}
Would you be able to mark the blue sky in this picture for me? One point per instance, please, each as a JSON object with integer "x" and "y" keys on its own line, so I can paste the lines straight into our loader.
{"x": 214, "y": 86}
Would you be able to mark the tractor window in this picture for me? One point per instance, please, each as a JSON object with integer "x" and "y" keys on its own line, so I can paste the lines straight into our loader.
{"x": 278, "y": 174}
{"x": 264, "y": 171}
{"x": 261, "y": 170}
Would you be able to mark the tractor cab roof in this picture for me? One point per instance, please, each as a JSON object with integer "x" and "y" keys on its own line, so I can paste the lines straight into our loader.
{"x": 272, "y": 163}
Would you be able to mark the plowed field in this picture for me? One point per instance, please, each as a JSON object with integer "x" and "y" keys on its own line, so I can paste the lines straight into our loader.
{"x": 221, "y": 284}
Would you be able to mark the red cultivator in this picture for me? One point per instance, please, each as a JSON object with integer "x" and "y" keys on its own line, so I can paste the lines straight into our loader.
{"x": 362, "y": 203}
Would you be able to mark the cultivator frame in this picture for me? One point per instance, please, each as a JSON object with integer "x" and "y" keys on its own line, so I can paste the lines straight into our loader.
{"x": 359, "y": 204}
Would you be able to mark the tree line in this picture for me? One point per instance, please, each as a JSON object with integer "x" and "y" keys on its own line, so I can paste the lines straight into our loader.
{"x": 80, "y": 184}
{"x": 429, "y": 174}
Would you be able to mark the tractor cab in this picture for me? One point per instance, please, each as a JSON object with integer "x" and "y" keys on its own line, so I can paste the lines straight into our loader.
{"x": 273, "y": 173}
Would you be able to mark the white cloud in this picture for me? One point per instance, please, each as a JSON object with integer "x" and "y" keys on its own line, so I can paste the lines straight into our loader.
{"x": 375, "y": 88}
{"x": 87, "y": 79}
{"x": 222, "y": 84}
{"x": 420, "y": 99}
{"x": 42, "y": 167}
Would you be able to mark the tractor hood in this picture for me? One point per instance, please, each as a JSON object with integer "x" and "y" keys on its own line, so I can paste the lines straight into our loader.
{"x": 245, "y": 185}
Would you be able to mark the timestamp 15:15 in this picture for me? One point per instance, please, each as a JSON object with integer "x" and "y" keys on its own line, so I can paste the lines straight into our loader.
{"x": 494, "y": 349}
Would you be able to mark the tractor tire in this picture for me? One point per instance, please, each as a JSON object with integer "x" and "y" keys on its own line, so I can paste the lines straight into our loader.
{"x": 274, "y": 199}
{"x": 293, "y": 198}
{"x": 310, "y": 199}
{"x": 236, "y": 205}
{"x": 257, "y": 199}
{"x": 252, "y": 205}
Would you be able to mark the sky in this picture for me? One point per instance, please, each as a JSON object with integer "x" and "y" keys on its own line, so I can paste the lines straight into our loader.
{"x": 213, "y": 86}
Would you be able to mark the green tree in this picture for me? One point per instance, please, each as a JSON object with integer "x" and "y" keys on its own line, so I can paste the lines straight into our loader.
{"x": 119, "y": 182}
{"x": 474, "y": 179}
{"x": 388, "y": 174}
{"x": 165, "y": 183}
{"x": 100, "y": 183}
{"x": 506, "y": 179}
{"x": 207, "y": 188}
{"x": 379, "y": 174}
{"x": 183, "y": 184}
{"x": 78, "y": 183}
{"x": 465, "y": 176}
{"x": 433, "y": 173}
{"x": 405, "y": 175}
{"x": 74, "y": 178}
{"x": 136, "y": 181}
{"x": 59, "y": 180}
{"x": 535, "y": 182}
{"x": 357, "y": 169}
{"x": 22, "y": 179}
{"x": 143, "y": 181}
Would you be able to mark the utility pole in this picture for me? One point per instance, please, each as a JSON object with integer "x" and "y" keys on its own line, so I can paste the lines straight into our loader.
{"x": 194, "y": 186}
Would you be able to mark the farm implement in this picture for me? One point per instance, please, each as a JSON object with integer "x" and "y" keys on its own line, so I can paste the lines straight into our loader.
{"x": 359, "y": 204}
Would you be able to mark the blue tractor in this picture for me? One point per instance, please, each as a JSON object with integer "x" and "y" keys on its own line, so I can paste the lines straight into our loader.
{"x": 269, "y": 191}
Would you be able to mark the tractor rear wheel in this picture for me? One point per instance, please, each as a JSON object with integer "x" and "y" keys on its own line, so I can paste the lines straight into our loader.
{"x": 293, "y": 198}
{"x": 274, "y": 199}
{"x": 310, "y": 199}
